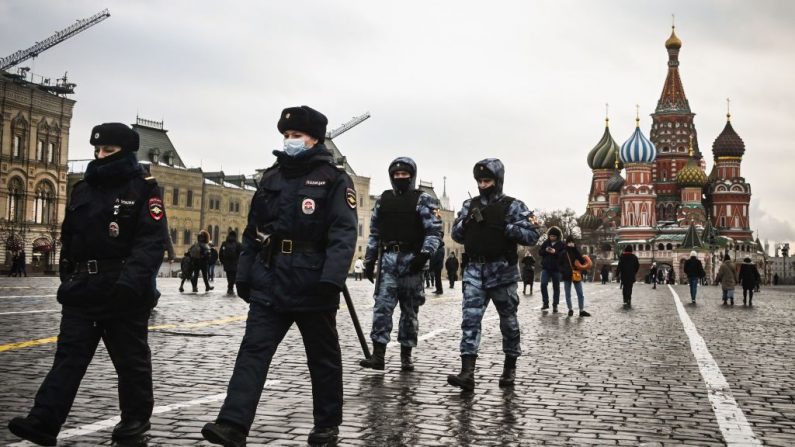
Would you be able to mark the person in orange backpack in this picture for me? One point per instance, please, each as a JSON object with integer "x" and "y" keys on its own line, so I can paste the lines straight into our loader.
{"x": 572, "y": 265}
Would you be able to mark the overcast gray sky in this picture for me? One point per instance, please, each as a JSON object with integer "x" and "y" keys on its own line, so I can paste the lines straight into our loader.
{"x": 447, "y": 82}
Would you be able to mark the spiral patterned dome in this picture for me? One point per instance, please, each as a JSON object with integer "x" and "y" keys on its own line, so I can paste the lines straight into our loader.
{"x": 638, "y": 148}
{"x": 603, "y": 155}
{"x": 728, "y": 143}
{"x": 615, "y": 182}
{"x": 691, "y": 174}
{"x": 588, "y": 221}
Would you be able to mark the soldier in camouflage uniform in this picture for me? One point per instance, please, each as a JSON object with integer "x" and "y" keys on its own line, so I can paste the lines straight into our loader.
{"x": 405, "y": 228}
{"x": 491, "y": 226}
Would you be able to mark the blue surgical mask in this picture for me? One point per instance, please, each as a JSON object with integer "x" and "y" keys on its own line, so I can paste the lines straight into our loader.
{"x": 294, "y": 146}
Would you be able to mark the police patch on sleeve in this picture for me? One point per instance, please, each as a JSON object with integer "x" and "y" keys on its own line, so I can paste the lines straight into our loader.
{"x": 350, "y": 197}
{"x": 156, "y": 208}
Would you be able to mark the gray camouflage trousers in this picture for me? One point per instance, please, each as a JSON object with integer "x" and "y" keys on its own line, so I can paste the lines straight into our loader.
{"x": 408, "y": 291}
{"x": 476, "y": 299}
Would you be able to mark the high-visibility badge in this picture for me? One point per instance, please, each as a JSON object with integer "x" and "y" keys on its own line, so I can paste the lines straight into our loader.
{"x": 308, "y": 206}
{"x": 350, "y": 197}
{"x": 156, "y": 208}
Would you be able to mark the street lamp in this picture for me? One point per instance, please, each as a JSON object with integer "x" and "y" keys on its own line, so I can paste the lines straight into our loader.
{"x": 785, "y": 253}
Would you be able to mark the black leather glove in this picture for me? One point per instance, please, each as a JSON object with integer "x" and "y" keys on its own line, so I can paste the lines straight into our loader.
{"x": 124, "y": 295}
{"x": 327, "y": 289}
{"x": 418, "y": 263}
{"x": 244, "y": 291}
{"x": 369, "y": 271}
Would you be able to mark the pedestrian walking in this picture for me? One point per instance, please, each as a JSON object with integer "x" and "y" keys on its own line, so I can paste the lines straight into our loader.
{"x": 528, "y": 272}
{"x": 749, "y": 278}
{"x": 405, "y": 230}
{"x": 186, "y": 270}
{"x": 200, "y": 261}
{"x": 436, "y": 265}
{"x": 112, "y": 248}
{"x": 551, "y": 251}
{"x": 694, "y": 271}
{"x": 653, "y": 275}
{"x": 727, "y": 278}
{"x": 229, "y": 256}
{"x": 297, "y": 247}
{"x": 14, "y": 264}
{"x": 452, "y": 265}
{"x": 491, "y": 226}
{"x": 358, "y": 269}
{"x": 775, "y": 279}
{"x": 212, "y": 261}
{"x": 628, "y": 267}
{"x": 571, "y": 270}
{"x": 605, "y": 273}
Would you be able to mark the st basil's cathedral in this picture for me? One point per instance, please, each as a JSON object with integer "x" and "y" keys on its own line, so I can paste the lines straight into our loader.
{"x": 665, "y": 205}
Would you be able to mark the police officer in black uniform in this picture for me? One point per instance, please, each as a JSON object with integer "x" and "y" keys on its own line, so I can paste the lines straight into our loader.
{"x": 297, "y": 247}
{"x": 112, "y": 238}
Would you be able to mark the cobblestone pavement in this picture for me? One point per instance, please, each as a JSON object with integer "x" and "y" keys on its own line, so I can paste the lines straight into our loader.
{"x": 620, "y": 377}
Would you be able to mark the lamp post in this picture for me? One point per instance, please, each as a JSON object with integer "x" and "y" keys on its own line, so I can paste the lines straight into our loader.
{"x": 785, "y": 253}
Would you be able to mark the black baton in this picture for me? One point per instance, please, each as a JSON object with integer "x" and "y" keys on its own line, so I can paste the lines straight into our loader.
{"x": 355, "y": 319}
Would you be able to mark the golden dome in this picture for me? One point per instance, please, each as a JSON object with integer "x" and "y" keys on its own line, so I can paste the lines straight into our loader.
{"x": 673, "y": 41}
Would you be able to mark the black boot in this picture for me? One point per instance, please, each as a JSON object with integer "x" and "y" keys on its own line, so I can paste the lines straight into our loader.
{"x": 224, "y": 434}
{"x": 508, "y": 372}
{"x": 127, "y": 429}
{"x": 405, "y": 359}
{"x": 466, "y": 378}
{"x": 323, "y": 435}
{"x": 376, "y": 361}
{"x": 32, "y": 429}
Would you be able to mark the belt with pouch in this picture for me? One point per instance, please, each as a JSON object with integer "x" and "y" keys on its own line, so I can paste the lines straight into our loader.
{"x": 290, "y": 246}
{"x": 400, "y": 247}
{"x": 95, "y": 266}
{"x": 486, "y": 259}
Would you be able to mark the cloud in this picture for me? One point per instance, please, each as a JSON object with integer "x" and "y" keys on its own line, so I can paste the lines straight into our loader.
{"x": 768, "y": 226}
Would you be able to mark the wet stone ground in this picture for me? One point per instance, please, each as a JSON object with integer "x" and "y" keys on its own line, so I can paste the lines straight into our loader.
{"x": 620, "y": 377}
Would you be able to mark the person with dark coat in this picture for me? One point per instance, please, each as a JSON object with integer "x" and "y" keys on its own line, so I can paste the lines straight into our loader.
{"x": 230, "y": 252}
{"x": 574, "y": 261}
{"x": 749, "y": 278}
{"x": 628, "y": 266}
{"x": 436, "y": 266}
{"x": 211, "y": 262}
{"x": 694, "y": 271}
{"x": 452, "y": 265}
{"x": 186, "y": 272}
{"x": 112, "y": 248}
{"x": 605, "y": 273}
{"x": 297, "y": 247}
{"x": 22, "y": 268}
{"x": 653, "y": 275}
{"x": 551, "y": 251}
{"x": 200, "y": 261}
{"x": 14, "y": 264}
{"x": 528, "y": 272}
{"x": 775, "y": 279}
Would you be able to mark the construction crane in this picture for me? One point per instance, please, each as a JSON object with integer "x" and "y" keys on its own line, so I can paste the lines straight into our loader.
{"x": 55, "y": 39}
{"x": 355, "y": 121}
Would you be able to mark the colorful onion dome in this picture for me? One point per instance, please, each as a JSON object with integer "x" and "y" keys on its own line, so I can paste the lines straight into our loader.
{"x": 691, "y": 174}
{"x": 588, "y": 221}
{"x": 604, "y": 153}
{"x": 638, "y": 148}
{"x": 673, "y": 42}
{"x": 615, "y": 182}
{"x": 728, "y": 143}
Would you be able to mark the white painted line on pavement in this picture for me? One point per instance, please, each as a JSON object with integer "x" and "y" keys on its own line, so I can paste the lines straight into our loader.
{"x": 108, "y": 423}
{"x": 30, "y": 312}
{"x": 732, "y": 422}
{"x": 27, "y": 296}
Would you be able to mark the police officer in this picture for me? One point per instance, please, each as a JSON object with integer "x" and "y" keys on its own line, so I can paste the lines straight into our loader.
{"x": 490, "y": 226}
{"x": 113, "y": 245}
{"x": 297, "y": 247}
{"x": 405, "y": 229}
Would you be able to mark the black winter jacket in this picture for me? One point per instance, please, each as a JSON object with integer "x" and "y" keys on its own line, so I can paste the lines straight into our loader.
{"x": 749, "y": 275}
{"x": 551, "y": 261}
{"x": 628, "y": 267}
{"x": 693, "y": 268}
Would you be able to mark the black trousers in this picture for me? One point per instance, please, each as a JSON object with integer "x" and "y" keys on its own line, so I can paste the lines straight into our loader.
{"x": 126, "y": 342}
{"x": 231, "y": 275}
{"x": 265, "y": 330}
{"x": 627, "y": 291}
{"x": 437, "y": 275}
{"x": 202, "y": 268}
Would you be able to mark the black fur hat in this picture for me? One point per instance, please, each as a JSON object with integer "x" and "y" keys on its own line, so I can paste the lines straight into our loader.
{"x": 628, "y": 249}
{"x": 303, "y": 119}
{"x": 555, "y": 231}
{"x": 115, "y": 134}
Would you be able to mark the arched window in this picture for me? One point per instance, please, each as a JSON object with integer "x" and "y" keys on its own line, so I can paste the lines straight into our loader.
{"x": 16, "y": 193}
{"x": 660, "y": 247}
{"x": 51, "y": 151}
{"x": 216, "y": 235}
{"x": 19, "y": 129}
{"x": 669, "y": 246}
{"x": 44, "y": 205}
